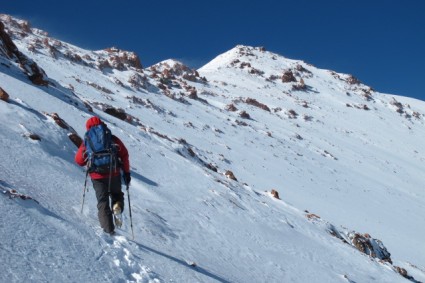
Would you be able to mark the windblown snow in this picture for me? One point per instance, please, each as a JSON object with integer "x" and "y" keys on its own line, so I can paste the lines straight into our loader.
{"x": 207, "y": 147}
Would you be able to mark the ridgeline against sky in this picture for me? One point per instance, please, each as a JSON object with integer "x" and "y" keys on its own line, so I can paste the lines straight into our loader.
{"x": 380, "y": 42}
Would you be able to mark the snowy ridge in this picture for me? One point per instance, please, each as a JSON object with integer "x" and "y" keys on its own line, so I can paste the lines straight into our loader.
{"x": 327, "y": 143}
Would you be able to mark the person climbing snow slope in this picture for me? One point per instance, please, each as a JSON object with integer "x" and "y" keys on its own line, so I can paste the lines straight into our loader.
{"x": 105, "y": 156}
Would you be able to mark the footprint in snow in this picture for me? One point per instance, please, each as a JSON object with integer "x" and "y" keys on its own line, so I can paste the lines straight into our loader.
{"x": 121, "y": 256}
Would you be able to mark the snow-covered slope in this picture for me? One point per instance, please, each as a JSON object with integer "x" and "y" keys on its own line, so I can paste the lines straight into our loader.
{"x": 342, "y": 156}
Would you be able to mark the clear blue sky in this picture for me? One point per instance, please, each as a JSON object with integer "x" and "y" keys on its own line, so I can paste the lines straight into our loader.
{"x": 380, "y": 42}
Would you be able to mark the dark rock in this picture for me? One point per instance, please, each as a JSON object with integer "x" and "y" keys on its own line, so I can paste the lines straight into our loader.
{"x": 34, "y": 137}
{"x": 4, "y": 95}
{"x": 275, "y": 194}
{"x": 229, "y": 174}
{"x": 75, "y": 139}
{"x": 288, "y": 77}
{"x": 118, "y": 113}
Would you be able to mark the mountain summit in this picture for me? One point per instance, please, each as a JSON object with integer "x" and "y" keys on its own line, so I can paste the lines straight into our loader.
{"x": 253, "y": 168}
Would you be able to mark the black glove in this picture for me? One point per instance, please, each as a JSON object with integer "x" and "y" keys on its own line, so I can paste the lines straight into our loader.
{"x": 127, "y": 178}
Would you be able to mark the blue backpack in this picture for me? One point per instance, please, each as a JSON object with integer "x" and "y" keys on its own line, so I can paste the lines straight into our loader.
{"x": 101, "y": 152}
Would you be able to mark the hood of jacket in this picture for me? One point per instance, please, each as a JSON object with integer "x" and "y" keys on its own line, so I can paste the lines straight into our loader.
{"x": 93, "y": 121}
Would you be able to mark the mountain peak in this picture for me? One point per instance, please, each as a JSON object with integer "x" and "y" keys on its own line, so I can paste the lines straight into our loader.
{"x": 242, "y": 56}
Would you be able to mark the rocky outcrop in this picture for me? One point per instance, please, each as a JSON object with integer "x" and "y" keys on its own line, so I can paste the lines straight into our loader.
{"x": 288, "y": 77}
{"x": 372, "y": 247}
{"x": 9, "y": 50}
{"x": 75, "y": 139}
{"x": 173, "y": 80}
{"x": 72, "y": 134}
{"x": 116, "y": 112}
{"x": 12, "y": 194}
{"x": 352, "y": 80}
{"x": 173, "y": 69}
{"x": 58, "y": 120}
{"x": 122, "y": 60}
{"x": 255, "y": 103}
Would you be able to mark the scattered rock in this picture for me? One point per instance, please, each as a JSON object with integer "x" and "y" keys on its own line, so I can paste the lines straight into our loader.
{"x": 255, "y": 103}
{"x": 301, "y": 69}
{"x": 58, "y": 120}
{"x": 367, "y": 94}
{"x": 298, "y": 137}
{"x": 255, "y": 71}
{"x": 300, "y": 86}
{"x": 244, "y": 114}
{"x": 103, "y": 64}
{"x": 229, "y": 174}
{"x": 397, "y": 105}
{"x": 191, "y": 152}
{"x": 73, "y": 57}
{"x": 75, "y": 139}
{"x": 191, "y": 263}
{"x": 292, "y": 114}
{"x": 116, "y": 112}
{"x": 417, "y": 115}
{"x": 312, "y": 216}
{"x": 231, "y": 107}
{"x": 241, "y": 123}
{"x": 370, "y": 246}
{"x": 352, "y": 80}
{"x": 275, "y": 194}
{"x": 122, "y": 60}
{"x": 193, "y": 94}
{"x": 245, "y": 65}
{"x": 4, "y": 95}
{"x": 401, "y": 270}
{"x": 211, "y": 167}
{"x": 288, "y": 77}
{"x": 137, "y": 81}
{"x": 101, "y": 88}
{"x": 14, "y": 194}
{"x": 88, "y": 107}
{"x": 34, "y": 137}
{"x": 273, "y": 77}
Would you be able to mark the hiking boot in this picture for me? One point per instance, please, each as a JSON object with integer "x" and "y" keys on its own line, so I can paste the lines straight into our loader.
{"x": 117, "y": 208}
{"x": 111, "y": 233}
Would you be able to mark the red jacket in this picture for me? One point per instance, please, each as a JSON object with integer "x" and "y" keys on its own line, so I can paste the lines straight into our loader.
{"x": 81, "y": 158}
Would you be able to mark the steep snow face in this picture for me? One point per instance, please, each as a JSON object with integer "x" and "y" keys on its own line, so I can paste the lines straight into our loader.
{"x": 327, "y": 143}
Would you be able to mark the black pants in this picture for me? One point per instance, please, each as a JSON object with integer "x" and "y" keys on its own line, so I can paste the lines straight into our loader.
{"x": 103, "y": 192}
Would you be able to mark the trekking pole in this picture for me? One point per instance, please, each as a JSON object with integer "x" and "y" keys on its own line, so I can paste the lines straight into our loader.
{"x": 84, "y": 191}
{"x": 129, "y": 207}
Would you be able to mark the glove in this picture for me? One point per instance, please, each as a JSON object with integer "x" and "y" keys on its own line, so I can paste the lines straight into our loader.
{"x": 127, "y": 178}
